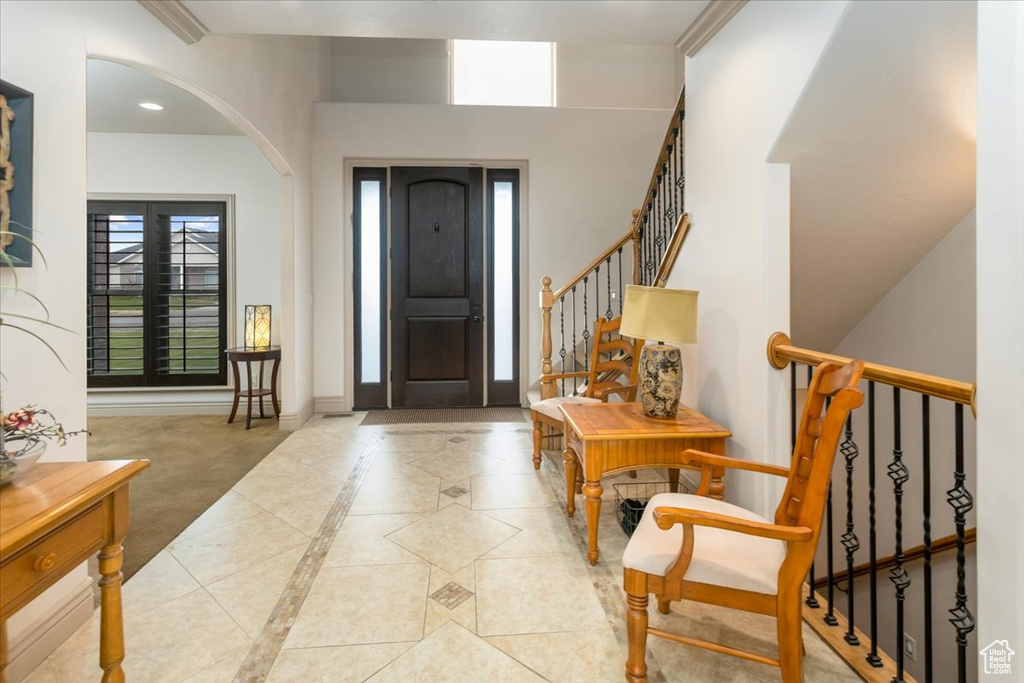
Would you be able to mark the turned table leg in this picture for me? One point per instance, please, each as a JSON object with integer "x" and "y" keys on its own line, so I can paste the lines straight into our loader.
{"x": 569, "y": 459}
{"x": 636, "y": 626}
{"x": 111, "y": 623}
{"x": 592, "y": 499}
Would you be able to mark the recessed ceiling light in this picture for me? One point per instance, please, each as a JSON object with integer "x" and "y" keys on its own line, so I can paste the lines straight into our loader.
{"x": 152, "y": 106}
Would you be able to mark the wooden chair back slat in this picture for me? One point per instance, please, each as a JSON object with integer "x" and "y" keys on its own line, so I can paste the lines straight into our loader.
{"x": 610, "y": 354}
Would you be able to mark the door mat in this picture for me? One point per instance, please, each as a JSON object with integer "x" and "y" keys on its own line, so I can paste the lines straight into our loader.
{"x": 438, "y": 415}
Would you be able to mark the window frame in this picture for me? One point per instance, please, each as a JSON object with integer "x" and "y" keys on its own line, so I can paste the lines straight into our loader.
{"x": 370, "y": 395}
{"x": 503, "y": 392}
{"x": 149, "y": 209}
{"x": 554, "y": 77}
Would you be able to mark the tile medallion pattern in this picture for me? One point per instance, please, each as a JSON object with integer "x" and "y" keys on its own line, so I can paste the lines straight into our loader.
{"x": 411, "y": 553}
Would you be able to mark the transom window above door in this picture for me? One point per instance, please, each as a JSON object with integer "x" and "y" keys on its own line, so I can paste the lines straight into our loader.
{"x": 157, "y": 289}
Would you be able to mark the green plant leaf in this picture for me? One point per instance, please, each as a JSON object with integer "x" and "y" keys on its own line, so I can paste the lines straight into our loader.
{"x": 36, "y": 320}
{"x": 18, "y": 290}
{"x": 18, "y": 235}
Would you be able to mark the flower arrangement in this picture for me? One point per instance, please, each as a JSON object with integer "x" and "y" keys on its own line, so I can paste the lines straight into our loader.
{"x": 24, "y": 435}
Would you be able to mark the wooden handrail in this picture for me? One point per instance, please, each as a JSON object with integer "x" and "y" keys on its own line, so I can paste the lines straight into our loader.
{"x": 781, "y": 352}
{"x": 917, "y": 552}
{"x": 672, "y": 253}
{"x": 622, "y": 241}
{"x": 663, "y": 153}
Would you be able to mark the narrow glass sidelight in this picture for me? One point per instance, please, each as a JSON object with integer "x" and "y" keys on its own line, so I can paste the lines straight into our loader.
{"x": 503, "y": 287}
{"x": 370, "y": 277}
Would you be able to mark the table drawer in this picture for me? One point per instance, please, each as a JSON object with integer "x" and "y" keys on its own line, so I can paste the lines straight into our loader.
{"x": 50, "y": 555}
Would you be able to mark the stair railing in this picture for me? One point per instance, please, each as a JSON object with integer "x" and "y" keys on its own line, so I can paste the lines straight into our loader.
{"x": 656, "y": 234}
{"x": 913, "y": 472}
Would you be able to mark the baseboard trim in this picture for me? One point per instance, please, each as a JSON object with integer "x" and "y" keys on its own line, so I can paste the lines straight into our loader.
{"x": 132, "y": 409}
{"x": 41, "y": 639}
{"x": 329, "y": 404}
{"x": 289, "y": 422}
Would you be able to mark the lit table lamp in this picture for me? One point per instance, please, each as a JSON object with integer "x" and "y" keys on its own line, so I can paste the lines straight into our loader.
{"x": 667, "y": 315}
{"x": 257, "y": 326}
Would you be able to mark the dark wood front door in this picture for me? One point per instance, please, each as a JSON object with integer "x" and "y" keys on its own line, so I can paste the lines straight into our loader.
{"x": 437, "y": 287}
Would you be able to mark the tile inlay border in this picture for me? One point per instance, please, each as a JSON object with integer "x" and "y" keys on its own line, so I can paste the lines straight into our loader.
{"x": 268, "y": 644}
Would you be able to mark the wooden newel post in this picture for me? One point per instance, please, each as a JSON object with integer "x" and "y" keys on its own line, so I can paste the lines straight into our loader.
{"x": 547, "y": 388}
{"x": 636, "y": 247}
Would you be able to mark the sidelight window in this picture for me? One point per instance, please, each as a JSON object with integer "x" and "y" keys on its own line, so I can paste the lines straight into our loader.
{"x": 370, "y": 222}
{"x": 503, "y": 286}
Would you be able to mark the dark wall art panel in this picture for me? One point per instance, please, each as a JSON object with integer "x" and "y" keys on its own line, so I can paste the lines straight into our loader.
{"x": 15, "y": 174}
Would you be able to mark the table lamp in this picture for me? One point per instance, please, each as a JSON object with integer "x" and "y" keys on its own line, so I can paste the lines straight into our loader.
{"x": 257, "y": 326}
{"x": 667, "y": 315}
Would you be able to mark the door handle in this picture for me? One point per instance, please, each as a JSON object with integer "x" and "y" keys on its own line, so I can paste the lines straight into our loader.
{"x": 476, "y": 319}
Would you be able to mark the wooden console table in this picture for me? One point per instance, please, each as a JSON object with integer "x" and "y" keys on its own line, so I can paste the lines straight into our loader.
{"x": 51, "y": 520}
{"x": 240, "y": 354}
{"x": 605, "y": 438}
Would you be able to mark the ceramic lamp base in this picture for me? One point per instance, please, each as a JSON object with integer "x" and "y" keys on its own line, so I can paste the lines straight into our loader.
{"x": 661, "y": 380}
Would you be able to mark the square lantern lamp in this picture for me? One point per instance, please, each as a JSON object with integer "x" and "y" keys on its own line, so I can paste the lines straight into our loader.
{"x": 257, "y": 326}
{"x": 665, "y": 315}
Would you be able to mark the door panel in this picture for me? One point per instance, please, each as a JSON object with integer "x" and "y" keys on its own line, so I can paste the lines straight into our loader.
{"x": 437, "y": 287}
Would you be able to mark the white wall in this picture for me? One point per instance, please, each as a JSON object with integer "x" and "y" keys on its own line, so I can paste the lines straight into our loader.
{"x": 1001, "y": 326}
{"x": 740, "y": 88}
{"x": 389, "y": 70}
{"x": 626, "y": 76}
{"x": 265, "y": 85}
{"x": 141, "y": 164}
{"x": 587, "y": 169}
{"x": 925, "y": 323}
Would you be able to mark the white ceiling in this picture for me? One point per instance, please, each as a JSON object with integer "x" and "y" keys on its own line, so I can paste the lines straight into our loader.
{"x": 881, "y": 148}
{"x": 637, "y": 22}
{"x": 113, "y": 95}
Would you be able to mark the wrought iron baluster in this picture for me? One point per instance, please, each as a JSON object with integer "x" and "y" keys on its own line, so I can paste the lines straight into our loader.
{"x": 830, "y": 616}
{"x": 649, "y": 248}
{"x": 608, "y": 275}
{"x": 586, "y": 329}
{"x": 575, "y": 362}
{"x": 849, "y": 539}
{"x": 681, "y": 180}
{"x": 926, "y": 493}
{"x": 673, "y": 174}
{"x": 621, "y": 293}
{"x": 561, "y": 330}
{"x": 960, "y": 499}
{"x": 812, "y": 599}
{"x": 597, "y": 289}
{"x": 872, "y": 657}
{"x": 657, "y": 226}
{"x": 899, "y": 474}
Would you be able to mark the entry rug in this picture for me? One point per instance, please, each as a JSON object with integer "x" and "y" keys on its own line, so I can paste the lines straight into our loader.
{"x": 439, "y": 415}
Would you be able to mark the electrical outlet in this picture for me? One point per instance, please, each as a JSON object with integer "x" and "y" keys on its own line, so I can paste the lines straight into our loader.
{"x": 910, "y": 646}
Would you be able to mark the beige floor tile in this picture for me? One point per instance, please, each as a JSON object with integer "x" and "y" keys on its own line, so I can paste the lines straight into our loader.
{"x": 43, "y": 673}
{"x": 502, "y": 442}
{"x": 296, "y": 493}
{"x": 358, "y": 605}
{"x": 463, "y": 614}
{"x": 222, "y": 552}
{"x": 456, "y": 464}
{"x": 345, "y": 664}
{"x": 337, "y": 464}
{"x": 232, "y": 507}
{"x": 223, "y": 671}
{"x": 250, "y": 595}
{"x": 412, "y": 443}
{"x": 164, "y": 645}
{"x": 387, "y": 496}
{"x": 544, "y": 531}
{"x": 453, "y": 537}
{"x": 498, "y": 492}
{"x": 396, "y": 466}
{"x": 454, "y": 655}
{"x": 512, "y": 598}
{"x": 464, "y": 499}
{"x": 161, "y": 580}
{"x": 575, "y": 657}
{"x": 360, "y": 541}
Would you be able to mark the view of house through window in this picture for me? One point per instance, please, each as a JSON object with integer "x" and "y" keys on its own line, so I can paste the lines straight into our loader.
{"x": 503, "y": 72}
{"x": 156, "y": 294}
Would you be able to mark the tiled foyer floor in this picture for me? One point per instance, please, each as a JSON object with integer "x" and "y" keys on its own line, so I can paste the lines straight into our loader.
{"x": 407, "y": 553}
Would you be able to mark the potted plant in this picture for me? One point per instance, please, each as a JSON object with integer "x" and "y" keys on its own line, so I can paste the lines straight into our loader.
{"x": 24, "y": 436}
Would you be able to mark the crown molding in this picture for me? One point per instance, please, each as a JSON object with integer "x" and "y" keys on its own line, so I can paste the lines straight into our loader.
{"x": 176, "y": 16}
{"x": 709, "y": 22}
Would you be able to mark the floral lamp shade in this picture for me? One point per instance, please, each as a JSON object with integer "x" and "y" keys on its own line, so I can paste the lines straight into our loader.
{"x": 257, "y": 326}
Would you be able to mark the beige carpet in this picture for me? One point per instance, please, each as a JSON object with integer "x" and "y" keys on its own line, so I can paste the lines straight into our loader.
{"x": 194, "y": 461}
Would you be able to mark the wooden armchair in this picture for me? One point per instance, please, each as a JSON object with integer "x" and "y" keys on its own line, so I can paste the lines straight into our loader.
{"x": 689, "y": 547}
{"x": 598, "y": 387}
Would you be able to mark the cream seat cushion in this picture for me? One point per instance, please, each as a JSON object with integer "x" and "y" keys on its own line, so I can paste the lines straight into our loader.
{"x": 720, "y": 557}
{"x": 549, "y": 406}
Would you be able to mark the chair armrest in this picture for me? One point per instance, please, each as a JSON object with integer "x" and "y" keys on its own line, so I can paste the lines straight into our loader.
{"x": 735, "y": 463}
{"x": 563, "y": 375}
{"x": 667, "y": 517}
{"x": 603, "y": 394}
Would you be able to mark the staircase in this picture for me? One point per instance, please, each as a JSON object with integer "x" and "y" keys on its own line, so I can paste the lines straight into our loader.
{"x": 644, "y": 256}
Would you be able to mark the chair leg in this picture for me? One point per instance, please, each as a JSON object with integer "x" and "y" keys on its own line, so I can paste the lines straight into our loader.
{"x": 537, "y": 436}
{"x": 790, "y": 632}
{"x": 569, "y": 460}
{"x": 663, "y": 604}
{"x": 636, "y": 625}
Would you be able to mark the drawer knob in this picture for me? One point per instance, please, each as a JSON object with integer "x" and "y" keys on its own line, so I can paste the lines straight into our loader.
{"x": 45, "y": 563}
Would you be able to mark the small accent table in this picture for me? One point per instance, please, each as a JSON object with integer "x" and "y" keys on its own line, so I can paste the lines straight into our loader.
{"x": 605, "y": 438}
{"x": 240, "y": 354}
{"x": 53, "y": 518}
